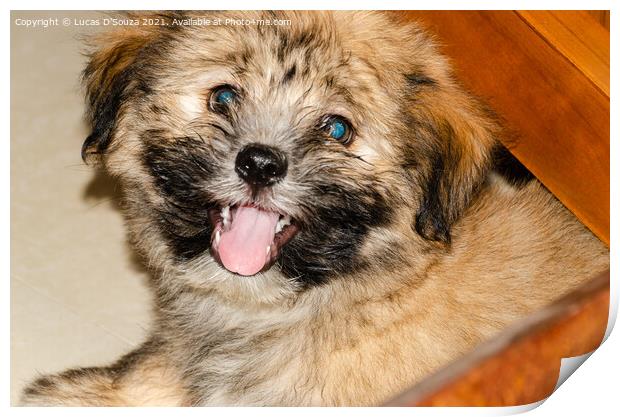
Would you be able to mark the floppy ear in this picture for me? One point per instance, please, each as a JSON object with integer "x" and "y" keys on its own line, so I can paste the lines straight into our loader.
{"x": 460, "y": 138}
{"x": 108, "y": 82}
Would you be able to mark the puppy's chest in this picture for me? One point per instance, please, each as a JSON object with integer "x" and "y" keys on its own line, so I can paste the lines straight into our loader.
{"x": 293, "y": 359}
{"x": 251, "y": 361}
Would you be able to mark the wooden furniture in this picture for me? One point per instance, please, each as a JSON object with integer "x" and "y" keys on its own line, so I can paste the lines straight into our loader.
{"x": 601, "y": 16}
{"x": 546, "y": 74}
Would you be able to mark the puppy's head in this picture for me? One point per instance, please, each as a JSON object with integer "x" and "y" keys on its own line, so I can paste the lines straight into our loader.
{"x": 260, "y": 159}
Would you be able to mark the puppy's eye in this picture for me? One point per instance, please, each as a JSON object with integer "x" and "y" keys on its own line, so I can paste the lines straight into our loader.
{"x": 338, "y": 128}
{"x": 222, "y": 98}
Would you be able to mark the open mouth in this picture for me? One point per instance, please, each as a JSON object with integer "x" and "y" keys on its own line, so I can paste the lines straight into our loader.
{"x": 247, "y": 239}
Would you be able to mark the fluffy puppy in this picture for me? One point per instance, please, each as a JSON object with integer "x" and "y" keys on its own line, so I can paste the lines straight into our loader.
{"x": 322, "y": 207}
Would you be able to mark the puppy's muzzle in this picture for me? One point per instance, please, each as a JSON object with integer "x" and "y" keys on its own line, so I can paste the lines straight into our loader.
{"x": 261, "y": 165}
{"x": 247, "y": 237}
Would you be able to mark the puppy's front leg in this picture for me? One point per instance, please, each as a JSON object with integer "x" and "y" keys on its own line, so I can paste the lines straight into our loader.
{"x": 143, "y": 377}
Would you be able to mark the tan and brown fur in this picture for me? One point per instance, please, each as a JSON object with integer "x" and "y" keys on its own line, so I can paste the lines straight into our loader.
{"x": 442, "y": 253}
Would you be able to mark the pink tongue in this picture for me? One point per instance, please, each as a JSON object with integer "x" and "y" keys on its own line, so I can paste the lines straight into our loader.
{"x": 243, "y": 248}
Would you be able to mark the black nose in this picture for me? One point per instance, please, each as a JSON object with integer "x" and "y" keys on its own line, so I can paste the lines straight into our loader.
{"x": 260, "y": 165}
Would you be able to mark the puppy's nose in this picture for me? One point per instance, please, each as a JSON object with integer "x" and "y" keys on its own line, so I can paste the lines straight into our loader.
{"x": 260, "y": 165}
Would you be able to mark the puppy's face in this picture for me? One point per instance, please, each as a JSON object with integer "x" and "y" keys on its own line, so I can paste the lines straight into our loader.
{"x": 260, "y": 160}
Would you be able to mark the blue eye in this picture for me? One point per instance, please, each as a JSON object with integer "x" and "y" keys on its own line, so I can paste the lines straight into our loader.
{"x": 338, "y": 129}
{"x": 222, "y": 97}
{"x": 225, "y": 96}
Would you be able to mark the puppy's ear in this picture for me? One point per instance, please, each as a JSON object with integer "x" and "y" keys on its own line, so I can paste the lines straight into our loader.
{"x": 107, "y": 79}
{"x": 459, "y": 137}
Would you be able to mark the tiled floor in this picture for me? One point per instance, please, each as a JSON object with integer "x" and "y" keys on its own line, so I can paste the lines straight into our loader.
{"x": 78, "y": 295}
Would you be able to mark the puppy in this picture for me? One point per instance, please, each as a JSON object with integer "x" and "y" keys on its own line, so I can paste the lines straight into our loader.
{"x": 322, "y": 206}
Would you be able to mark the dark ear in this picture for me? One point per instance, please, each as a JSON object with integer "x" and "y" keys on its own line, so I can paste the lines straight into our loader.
{"x": 460, "y": 138}
{"x": 107, "y": 79}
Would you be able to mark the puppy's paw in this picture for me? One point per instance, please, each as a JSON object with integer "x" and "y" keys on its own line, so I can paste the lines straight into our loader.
{"x": 73, "y": 388}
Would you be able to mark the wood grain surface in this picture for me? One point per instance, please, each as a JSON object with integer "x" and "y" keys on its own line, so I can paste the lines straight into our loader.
{"x": 601, "y": 16}
{"x": 577, "y": 36}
